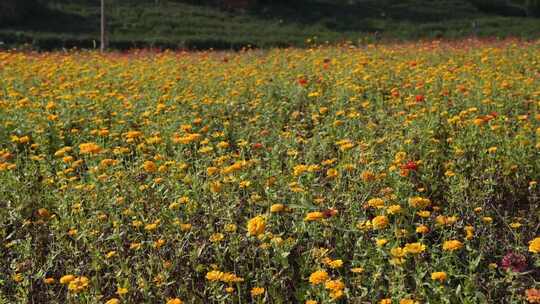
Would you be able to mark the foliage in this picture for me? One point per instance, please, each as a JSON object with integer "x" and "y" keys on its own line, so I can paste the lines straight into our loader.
{"x": 173, "y": 24}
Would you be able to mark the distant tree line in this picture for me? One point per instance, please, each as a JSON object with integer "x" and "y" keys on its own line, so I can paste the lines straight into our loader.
{"x": 16, "y": 10}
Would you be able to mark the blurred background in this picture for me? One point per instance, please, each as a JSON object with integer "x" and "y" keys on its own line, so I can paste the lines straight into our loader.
{"x": 234, "y": 24}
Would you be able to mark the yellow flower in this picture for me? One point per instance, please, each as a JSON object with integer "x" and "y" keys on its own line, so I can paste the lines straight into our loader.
{"x": 375, "y": 203}
{"x": 333, "y": 263}
{"x": 452, "y": 245}
{"x": 385, "y": 301}
{"x": 414, "y": 248}
{"x": 331, "y": 173}
{"x": 313, "y": 216}
{"x": 398, "y": 252}
{"x": 275, "y": 208}
{"x": 311, "y": 302}
{"x": 151, "y": 227}
{"x": 515, "y": 225}
{"x": 334, "y": 295}
{"x": 380, "y": 222}
{"x": 381, "y": 242}
{"x": 185, "y": 227}
{"x": 394, "y": 209}
{"x": 121, "y": 291}
{"x": 439, "y": 276}
{"x": 230, "y": 228}
{"x": 67, "y": 278}
{"x": 423, "y": 213}
{"x": 212, "y": 170}
{"x": 408, "y": 301}
{"x": 89, "y": 148}
{"x": 419, "y": 202}
{"x": 318, "y": 277}
{"x": 469, "y": 230}
{"x": 256, "y": 225}
{"x": 422, "y": 229}
{"x": 113, "y": 301}
{"x": 216, "y": 237}
{"x": 357, "y": 270}
{"x": 257, "y": 291}
{"x": 214, "y": 275}
{"x": 534, "y": 245}
{"x": 175, "y": 301}
{"x": 228, "y": 277}
{"x": 78, "y": 284}
{"x": 149, "y": 166}
{"x": 334, "y": 285}
{"x": 487, "y": 219}
{"x": 17, "y": 277}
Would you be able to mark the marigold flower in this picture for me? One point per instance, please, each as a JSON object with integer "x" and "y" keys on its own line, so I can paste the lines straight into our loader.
{"x": 414, "y": 248}
{"x": 257, "y": 291}
{"x": 534, "y": 245}
{"x": 380, "y": 222}
{"x": 150, "y": 166}
{"x": 422, "y": 229}
{"x": 439, "y": 276}
{"x": 381, "y": 242}
{"x": 334, "y": 285}
{"x": 275, "y": 208}
{"x": 175, "y": 301}
{"x": 376, "y": 203}
{"x": 533, "y": 295}
{"x": 78, "y": 284}
{"x": 67, "y": 278}
{"x": 121, "y": 291}
{"x": 393, "y": 209}
{"x": 318, "y": 277}
{"x": 314, "y": 216}
{"x": 256, "y": 225}
{"x": 419, "y": 202}
{"x": 214, "y": 275}
{"x": 89, "y": 148}
{"x": 452, "y": 245}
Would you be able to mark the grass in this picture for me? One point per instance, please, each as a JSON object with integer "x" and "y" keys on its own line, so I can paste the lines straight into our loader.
{"x": 181, "y": 25}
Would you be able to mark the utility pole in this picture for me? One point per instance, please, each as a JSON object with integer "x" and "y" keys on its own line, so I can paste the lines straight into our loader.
{"x": 103, "y": 27}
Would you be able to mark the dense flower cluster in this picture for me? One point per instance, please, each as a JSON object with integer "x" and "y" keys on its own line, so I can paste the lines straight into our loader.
{"x": 403, "y": 173}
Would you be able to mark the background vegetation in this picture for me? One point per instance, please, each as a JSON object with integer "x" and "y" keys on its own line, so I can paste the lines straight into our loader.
{"x": 197, "y": 24}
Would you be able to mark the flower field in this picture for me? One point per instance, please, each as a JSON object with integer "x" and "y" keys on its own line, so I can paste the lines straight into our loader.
{"x": 400, "y": 173}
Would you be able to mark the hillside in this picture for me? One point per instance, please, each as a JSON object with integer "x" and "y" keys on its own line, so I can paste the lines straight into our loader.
{"x": 174, "y": 24}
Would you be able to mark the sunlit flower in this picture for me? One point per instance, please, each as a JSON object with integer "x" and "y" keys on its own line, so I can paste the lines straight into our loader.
{"x": 256, "y": 225}
{"x": 318, "y": 277}
{"x": 439, "y": 276}
{"x": 257, "y": 291}
{"x": 452, "y": 245}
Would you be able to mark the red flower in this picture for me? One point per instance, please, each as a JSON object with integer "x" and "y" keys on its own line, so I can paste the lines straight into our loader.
{"x": 302, "y": 81}
{"x": 419, "y": 98}
{"x": 329, "y": 212}
{"x": 514, "y": 261}
{"x": 410, "y": 165}
{"x": 257, "y": 146}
